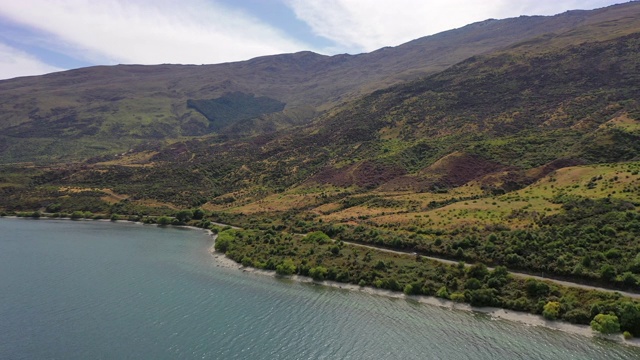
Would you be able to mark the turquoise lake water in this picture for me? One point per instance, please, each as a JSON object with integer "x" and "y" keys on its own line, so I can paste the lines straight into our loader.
{"x": 100, "y": 290}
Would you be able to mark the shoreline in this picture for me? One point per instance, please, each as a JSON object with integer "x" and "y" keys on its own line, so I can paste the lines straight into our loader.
{"x": 208, "y": 231}
{"x": 524, "y": 318}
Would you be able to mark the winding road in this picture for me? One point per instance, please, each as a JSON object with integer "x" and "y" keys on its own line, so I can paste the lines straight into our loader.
{"x": 452, "y": 262}
{"x": 516, "y": 274}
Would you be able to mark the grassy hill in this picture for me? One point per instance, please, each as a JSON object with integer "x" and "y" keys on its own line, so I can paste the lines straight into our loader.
{"x": 98, "y": 111}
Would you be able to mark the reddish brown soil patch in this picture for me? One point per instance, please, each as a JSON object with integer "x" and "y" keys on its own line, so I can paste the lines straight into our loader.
{"x": 367, "y": 174}
{"x": 453, "y": 170}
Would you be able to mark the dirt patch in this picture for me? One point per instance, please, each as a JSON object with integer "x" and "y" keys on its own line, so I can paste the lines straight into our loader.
{"x": 453, "y": 170}
{"x": 367, "y": 174}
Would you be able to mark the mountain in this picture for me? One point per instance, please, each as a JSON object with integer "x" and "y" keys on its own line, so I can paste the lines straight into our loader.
{"x": 509, "y": 143}
{"x": 105, "y": 110}
{"x": 502, "y": 120}
{"x": 525, "y": 156}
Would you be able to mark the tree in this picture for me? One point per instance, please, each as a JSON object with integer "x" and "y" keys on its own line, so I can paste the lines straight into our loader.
{"x": 536, "y": 288}
{"x": 318, "y": 273}
{"x": 164, "y": 220}
{"x": 198, "y": 214}
{"x": 319, "y": 237}
{"x": 481, "y": 297}
{"x": 629, "y": 315}
{"x": 607, "y": 272}
{"x": 473, "y": 284}
{"x": 551, "y": 310}
{"x": 635, "y": 265}
{"x": 54, "y": 208}
{"x": 287, "y": 267}
{"x": 443, "y": 293}
{"x": 224, "y": 240}
{"x": 478, "y": 271}
{"x": 629, "y": 279}
{"x": 184, "y": 215}
{"x": 605, "y": 324}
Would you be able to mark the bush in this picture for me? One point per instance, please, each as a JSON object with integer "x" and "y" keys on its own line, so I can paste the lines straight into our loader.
{"x": 473, "y": 284}
{"x": 607, "y": 272}
{"x": 478, "y": 271}
{"x": 287, "y": 267}
{"x": 184, "y": 215}
{"x": 536, "y": 288}
{"x": 164, "y": 220}
{"x": 318, "y": 273}
{"x": 247, "y": 262}
{"x": 198, "y": 214}
{"x": 318, "y": 237}
{"x": 629, "y": 316}
{"x": 443, "y": 293}
{"x": 605, "y": 324}
{"x": 551, "y": 310}
{"x": 577, "y": 316}
{"x": 457, "y": 297}
{"x": 224, "y": 240}
{"x": 481, "y": 297}
{"x": 627, "y": 335}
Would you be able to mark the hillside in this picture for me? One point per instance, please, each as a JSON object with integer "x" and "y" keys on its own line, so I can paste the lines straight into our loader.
{"x": 97, "y": 111}
{"x": 524, "y": 158}
{"x": 504, "y": 120}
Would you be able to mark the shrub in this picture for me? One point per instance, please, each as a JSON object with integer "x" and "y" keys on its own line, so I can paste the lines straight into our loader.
{"x": 551, "y": 310}
{"x": 184, "y": 215}
{"x": 318, "y": 237}
{"x": 457, "y": 297}
{"x": 318, "y": 273}
{"x": 164, "y": 220}
{"x": 478, "y": 271}
{"x": 247, "y": 262}
{"x": 198, "y": 214}
{"x": 605, "y": 324}
{"x": 224, "y": 240}
{"x": 443, "y": 293}
{"x": 287, "y": 267}
{"x": 607, "y": 272}
{"x": 473, "y": 284}
{"x": 577, "y": 316}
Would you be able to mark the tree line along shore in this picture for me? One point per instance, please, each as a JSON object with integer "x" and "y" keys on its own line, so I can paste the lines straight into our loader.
{"x": 323, "y": 257}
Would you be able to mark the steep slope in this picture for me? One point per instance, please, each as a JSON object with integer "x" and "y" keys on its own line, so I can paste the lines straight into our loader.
{"x": 503, "y": 120}
{"x": 104, "y": 110}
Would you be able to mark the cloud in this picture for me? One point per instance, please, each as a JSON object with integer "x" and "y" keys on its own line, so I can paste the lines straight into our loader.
{"x": 15, "y": 63}
{"x": 151, "y": 31}
{"x": 365, "y": 25}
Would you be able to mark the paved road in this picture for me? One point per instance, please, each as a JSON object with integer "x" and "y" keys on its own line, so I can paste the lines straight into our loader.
{"x": 516, "y": 274}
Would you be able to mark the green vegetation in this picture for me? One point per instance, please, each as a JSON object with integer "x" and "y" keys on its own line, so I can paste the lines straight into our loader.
{"x": 606, "y": 324}
{"x": 290, "y": 254}
{"x": 525, "y": 158}
{"x": 234, "y": 107}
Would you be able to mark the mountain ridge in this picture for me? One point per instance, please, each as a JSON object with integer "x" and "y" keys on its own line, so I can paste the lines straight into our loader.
{"x": 123, "y": 106}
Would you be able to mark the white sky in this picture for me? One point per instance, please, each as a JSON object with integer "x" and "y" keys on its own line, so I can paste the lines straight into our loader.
{"x": 41, "y": 36}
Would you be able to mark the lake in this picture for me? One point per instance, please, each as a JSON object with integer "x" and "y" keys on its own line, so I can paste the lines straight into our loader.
{"x": 101, "y": 290}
